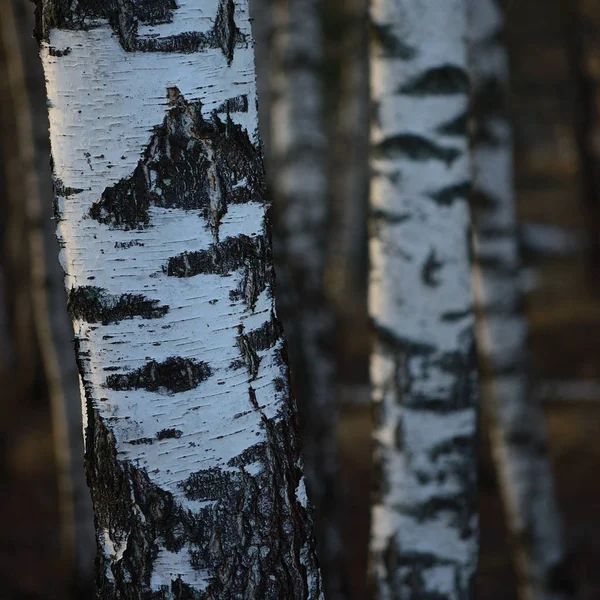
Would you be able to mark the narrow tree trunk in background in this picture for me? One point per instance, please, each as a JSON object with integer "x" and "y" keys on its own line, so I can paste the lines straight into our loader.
{"x": 515, "y": 418}
{"x": 586, "y": 118}
{"x": 53, "y": 329}
{"x": 191, "y": 446}
{"x": 423, "y": 368}
{"x": 299, "y": 185}
{"x": 350, "y": 173}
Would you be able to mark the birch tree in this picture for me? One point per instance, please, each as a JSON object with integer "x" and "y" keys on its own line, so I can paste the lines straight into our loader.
{"x": 515, "y": 418}
{"x": 191, "y": 446}
{"x": 424, "y": 522}
{"x": 298, "y": 153}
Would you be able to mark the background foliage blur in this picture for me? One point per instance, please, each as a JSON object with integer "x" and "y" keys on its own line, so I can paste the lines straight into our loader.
{"x": 555, "y": 59}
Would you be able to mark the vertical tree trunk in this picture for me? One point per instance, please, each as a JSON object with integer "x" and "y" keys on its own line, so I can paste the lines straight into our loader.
{"x": 424, "y": 537}
{"x": 298, "y": 153}
{"x": 191, "y": 447}
{"x": 515, "y": 418}
{"x": 53, "y": 329}
{"x": 586, "y": 118}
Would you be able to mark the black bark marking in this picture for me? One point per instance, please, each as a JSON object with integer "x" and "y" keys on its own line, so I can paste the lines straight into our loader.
{"x": 430, "y": 269}
{"x": 414, "y": 147}
{"x": 255, "y": 341}
{"x": 237, "y": 104}
{"x": 190, "y": 163}
{"x": 390, "y": 43}
{"x": 59, "y": 53}
{"x": 169, "y": 434}
{"x": 225, "y": 31}
{"x": 249, "y": 354}
{"x": 448, "y": 195}
{"x": 223, "y": 258}
{"x": 458, "y": 127}
{"x": 438, "y": 81}
{"x": 96, "y": 305}
{"x": 174, "y": 375}
{"x": 124, "y": 16}
{"x": 267, "y": 336}
{"x": 389, "y": 218}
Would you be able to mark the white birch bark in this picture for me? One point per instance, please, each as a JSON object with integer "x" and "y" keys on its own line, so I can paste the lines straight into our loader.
{"x": 424, "y": 523}
{"x": 515, "y": 417}
{"x": 298, "y": 152}
{"x": 53, "y": 329}
{"x": 191, "y": 448}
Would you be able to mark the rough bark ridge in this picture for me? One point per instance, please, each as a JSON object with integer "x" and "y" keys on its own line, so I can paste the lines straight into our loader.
{"x": 191, "y": 447}
{"x": 515, "y": 418}
{"x": 299, "y": 184}
{"x": 424, "y": 529}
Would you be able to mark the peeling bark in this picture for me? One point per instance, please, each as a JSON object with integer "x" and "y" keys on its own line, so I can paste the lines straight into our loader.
{"x": 423, "y": 369}
{"x": 191, "y": 447}
{"x": 515, "y": 417}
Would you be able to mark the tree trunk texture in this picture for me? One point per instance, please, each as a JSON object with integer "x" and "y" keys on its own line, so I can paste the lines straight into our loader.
{"x": 298, "y": 153}
{"x": 191, "y": 446}
{"x": 514, "y": 415}
{"x": 52, "y": 325}
{"x": 423, "y": 368}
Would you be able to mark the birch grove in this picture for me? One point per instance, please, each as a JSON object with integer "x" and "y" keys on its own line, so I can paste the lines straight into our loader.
{"x": 424, "y": 522}
{"x": 191, "y": 446}
{"x": 515, "y": 417}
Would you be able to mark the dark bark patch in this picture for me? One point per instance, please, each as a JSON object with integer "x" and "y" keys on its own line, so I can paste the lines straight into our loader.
{"x": 190, "y": 163}
{"x": 225, "y": 32}
{"x": 174, "y": 375}
{"x": 124, "y": 16}
{"x": 96, "y": 305}
{"x": 388, "y": 217}
{"x": 59, "y": 53}
{"x": 233, "y": 105}
{"x": 226, "y": 257}
{"x": 169, "y": 434}
{"x": 450, "y": 194}
{"x": 439, "y": 81}
{"x": 267, "y": 336}
{"x": 430, "y": 269}
{"x": 414, "y": 147}
{"x": 390, "y": 44}
{"x": 458, "y": 127}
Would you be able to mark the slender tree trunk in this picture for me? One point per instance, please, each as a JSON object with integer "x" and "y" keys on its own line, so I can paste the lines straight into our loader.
{"x": 299, "y": 157}
{"x": 53, "y": 328}
{"x": 515, "y": 417}
{"x": 586, "y": 119}
{"x": 191, "y": 446}
{"x": 350, "y": 173}
{"x": 423, "y": 369}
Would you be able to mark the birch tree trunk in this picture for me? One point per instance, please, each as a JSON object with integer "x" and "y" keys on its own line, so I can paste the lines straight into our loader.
{"x": 191, "y": 446}
{"x": 515, "y": 417}
{"x": 424, "y": 522}
{"x": 298, "y": 153}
